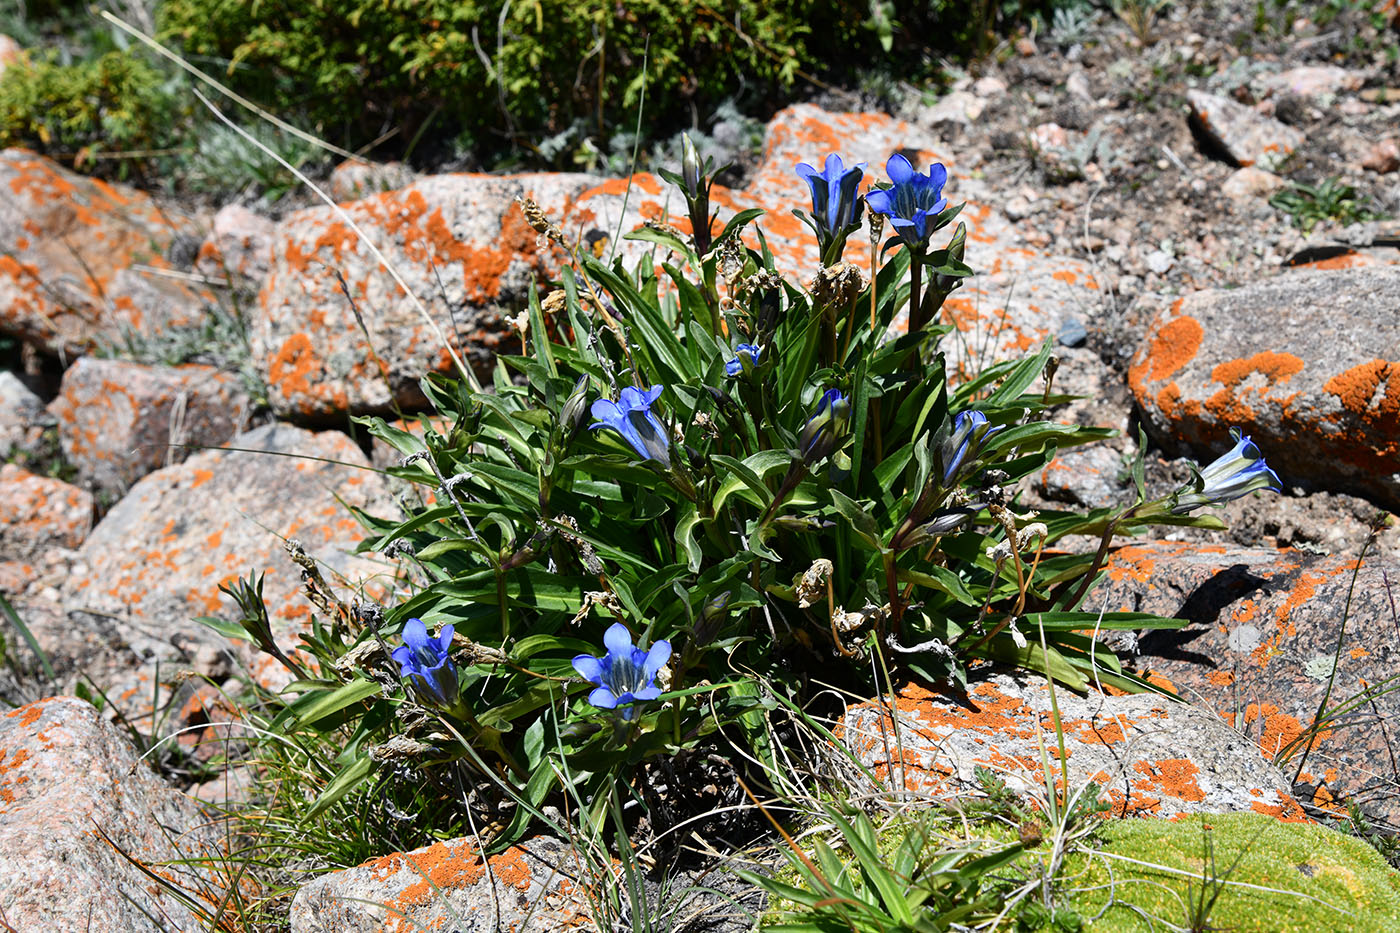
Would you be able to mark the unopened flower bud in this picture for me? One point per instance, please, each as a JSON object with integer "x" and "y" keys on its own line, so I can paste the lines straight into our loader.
{"x": 827, "y": 428}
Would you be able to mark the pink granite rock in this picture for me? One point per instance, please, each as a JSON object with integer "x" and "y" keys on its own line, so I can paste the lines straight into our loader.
{"x": 156, "y": 560}
{"x": 1259, "y": 649}
{"x": 75, "y": 803}
{"x": 356, "y": 178}
{"x": 118, "y": 421}
{"x": 63, "y": 239}
{"x": 464, "y": 250}
{"x": 238, "y": 248}
{"x": 38, "y": 512}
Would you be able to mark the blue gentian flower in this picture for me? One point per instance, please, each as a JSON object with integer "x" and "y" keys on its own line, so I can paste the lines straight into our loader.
{"x": 424, "y": 662}
{"x": 625, "y": 675}
{"x": 914, "y": 200}
{"x": 970, "y": 431}
{"x": 827, "y": 427}
{"x": 835, "y": 204}
{"x": 1238, "y": 472}
{"x": 746, "y": 357}
{"x": 631, "y": 416}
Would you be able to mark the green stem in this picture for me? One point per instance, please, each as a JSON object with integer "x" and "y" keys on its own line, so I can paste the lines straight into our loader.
{"x": 916, "y": 270}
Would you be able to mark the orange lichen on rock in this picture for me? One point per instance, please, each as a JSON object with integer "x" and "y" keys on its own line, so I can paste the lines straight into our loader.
{"x": 1175, "y": 777}
{"x": 1289, "y": 811}
{"x": 1279, "y": 730}
{"x": 1174, "y": 345}
{"x": 1370, "y": 391}
{"x": 1228, "y": 403}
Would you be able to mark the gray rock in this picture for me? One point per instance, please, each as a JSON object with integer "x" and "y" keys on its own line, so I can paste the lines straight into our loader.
{"x": 22, "y": 417}
{"x": 1264, "y": 626}
{"x": 118, "y": 421}
{"x": 158, "y": 557}
{"x": 1151, "y": 755}
{"x": 446, "y": 886}
{"x": 1308, "y": 363}
{"x": 75, "y": 804}
{"x": 1246, "y": 136}
{"x": 1072, "y": 333}
{"x": 1084, "y": 476}
{"x": 63, "y": 239}
{"x": 463, "y": 249}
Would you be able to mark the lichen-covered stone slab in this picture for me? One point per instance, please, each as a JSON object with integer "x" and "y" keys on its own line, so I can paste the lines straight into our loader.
{"x": 118, "y": 420}
{"x": 530, "y": 888}
{"x": 1259, "y": 651}
{"x": 75, "y": 805}
{"x": 63, "y": 239}
{"x": 156, "y": 560}
{"x": 1308, "y": 363}
{"x": 463, "y": 249}
{"x": 40, "y": 512}
{"x": 238, "y": 247}
{"x": 1151, "y": 755}
{"x": 1246, "y": 136}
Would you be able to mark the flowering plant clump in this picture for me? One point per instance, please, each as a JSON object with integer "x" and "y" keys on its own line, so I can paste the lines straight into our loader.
{"x": 777, "y": 484}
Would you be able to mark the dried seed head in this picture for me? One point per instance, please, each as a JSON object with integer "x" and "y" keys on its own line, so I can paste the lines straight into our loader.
{"x": 760, "y": 281}
{"x": 399, "y": 748}
{"x": 810, "y": 588}
{"x": 593, "y": 598}
{"x": 556, "y": 302}
{"x": 837, "y": 286}
{"x": 537, "y": 220}
{"x": 731, "y": 258}
{"x": 877, "y": 227}
{"x": 660, "y": 227}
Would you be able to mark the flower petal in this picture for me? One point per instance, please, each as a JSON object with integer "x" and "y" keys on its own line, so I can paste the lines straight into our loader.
{"x": 647, "y": 693}
{"x": 606, "y": 412}
{"x": 880, "y": 201}
{"x": 415, "y": 635}
{"x": 899, "y": 170}
{"x": 589, "y": 667}
{"x": 656, "y": 658}
{"x": 603, "y": 698}
{"x": 618, "y": 640}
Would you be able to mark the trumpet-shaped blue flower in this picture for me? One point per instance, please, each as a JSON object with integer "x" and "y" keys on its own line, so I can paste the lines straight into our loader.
{"x": 827, "y": 427}
{"x": 913, "y": 202}
{"x": 625, "y": 675}
{"x": 970, "y": 432}
{"x": 1238, "y": 472}
{"x": 425, "y": 663}
{"x": 631, "y": 416}
{"x": 746, "y": 357}
{"x": 835, "y": 204}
